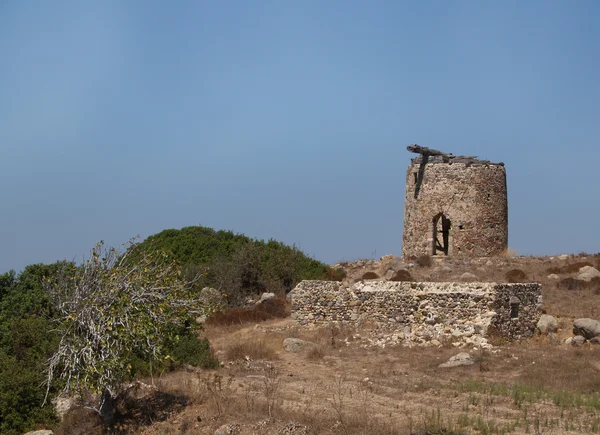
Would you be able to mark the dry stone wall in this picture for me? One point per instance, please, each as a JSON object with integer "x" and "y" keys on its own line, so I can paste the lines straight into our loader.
{"x": 422, "y": 311}
{"x": 473, "y": 200}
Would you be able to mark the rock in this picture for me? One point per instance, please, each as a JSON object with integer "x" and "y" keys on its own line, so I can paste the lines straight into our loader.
{"x": 595, "y": 340}
{"x": 569, "y": 340}
{"x": 297, "y": 345}
{"x": 389, "y": 257}
{"x": 547, "y": 324}
{"x": 469, "y": 277}
{"x": 563, "y": 257}
{"x": 265, "y": 297}
{"x": 40, "y": 432}
{"x": 589, "y": 328}
{"x": 228, "y": 429}
{"x": 489, "y": 263}
{"x": 461, "y": 359}
{"x": 578, "y": 340}
{"x": 587, "y": 273}
{"x": 62, "y": 405}
{"x": 553, "y": 338}
{"x": 212, "y": 297}
{"x": 553, "y": 276}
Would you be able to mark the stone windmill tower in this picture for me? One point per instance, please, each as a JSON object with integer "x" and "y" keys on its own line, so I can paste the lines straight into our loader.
{"x": 454, "y": 205}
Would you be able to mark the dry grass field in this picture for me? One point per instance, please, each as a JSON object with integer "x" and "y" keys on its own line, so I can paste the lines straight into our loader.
{"x": 346, "y": 384}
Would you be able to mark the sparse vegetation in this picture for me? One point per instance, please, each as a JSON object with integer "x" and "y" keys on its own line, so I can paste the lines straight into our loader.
{"x": 275, "y": 308}
{"x": 402, "y": 275}
{"x": 515, "y": 275}
{"x": 424, "y": 260}
{"x": 252, "y": 349}
{"x": 370, "y": 275}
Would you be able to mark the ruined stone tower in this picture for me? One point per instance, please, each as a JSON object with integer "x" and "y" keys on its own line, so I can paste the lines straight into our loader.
{"x": 454, "y": 205}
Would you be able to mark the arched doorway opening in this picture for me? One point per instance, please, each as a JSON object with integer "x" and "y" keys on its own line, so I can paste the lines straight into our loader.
{"x": 441, "y": 234}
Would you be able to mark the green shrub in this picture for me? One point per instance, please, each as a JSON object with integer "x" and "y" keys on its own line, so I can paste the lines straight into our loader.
{"x": 370, "y": 275}
{"x": 195, "y": 352}
{"x": 402, "y": 275}
{"x": 515, "y": 276}
{"x": 236, "y": 264}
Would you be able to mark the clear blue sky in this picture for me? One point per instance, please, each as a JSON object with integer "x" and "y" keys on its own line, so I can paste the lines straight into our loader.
{"x": 289, "y": 120}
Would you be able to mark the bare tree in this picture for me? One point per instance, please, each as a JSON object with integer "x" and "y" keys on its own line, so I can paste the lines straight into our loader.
{"x": 114, "y": 304}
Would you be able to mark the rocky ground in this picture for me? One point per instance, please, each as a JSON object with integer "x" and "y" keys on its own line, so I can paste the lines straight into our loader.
{"x": 279, "y": 378}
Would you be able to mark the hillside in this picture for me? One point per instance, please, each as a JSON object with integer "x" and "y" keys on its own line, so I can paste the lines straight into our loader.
{"x": 236, "y": 264}
{"x": 355, "y": 381}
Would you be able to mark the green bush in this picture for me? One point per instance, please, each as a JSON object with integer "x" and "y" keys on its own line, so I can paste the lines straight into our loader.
{"x": 26, "y": 343}
{"x": 236, "y": 264}
{"x": 195, "y": 352}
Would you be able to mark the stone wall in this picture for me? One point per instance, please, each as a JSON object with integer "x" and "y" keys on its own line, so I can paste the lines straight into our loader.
{"x": 422, "y": 311}
{"x": 472, "y": 196}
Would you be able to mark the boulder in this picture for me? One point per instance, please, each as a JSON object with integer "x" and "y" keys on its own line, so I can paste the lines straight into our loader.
{"x": 62, "y": 405}
{"x": 589, "y": 328}
{"x": 553, "y": 276}
{"x": 461, "y": 359}
{"x": 547, "y": 324}
{"x": 212, "y": 298}
{"x": 578, "y": 340}
{"x": 295, "y": 345}
{"x": 587, "y": 273}
{"x": 265, "y": 297}
{"x": 469, "y": 277}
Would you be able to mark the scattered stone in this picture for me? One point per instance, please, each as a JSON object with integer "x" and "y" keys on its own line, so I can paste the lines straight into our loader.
{"x": 461, "y": 359}
{"x": 589, "y": 328}
{"x": 547, "y": 324}
{"x": 295, "y": 345}
{"x": 553, "y": 276}
{"x": 468, "y": 277}
{"x": 293, "y": 428}
{"x": 228, "y": 429}
{"x": 578, "y": 340}
{"x": 587, "y": 273}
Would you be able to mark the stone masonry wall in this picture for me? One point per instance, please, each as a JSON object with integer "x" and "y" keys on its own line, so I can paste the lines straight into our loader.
{"x": 473, "y": 197}
{"x": 422, "y": 311}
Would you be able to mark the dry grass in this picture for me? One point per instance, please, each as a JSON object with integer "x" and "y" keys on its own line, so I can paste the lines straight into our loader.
{"x": 515, "y": 275}
{"x": 569, "y": 268}
{"x": 370, "y": 275}
{"x": 250, "y": 349}
{"x": 424, "y": 261}
{"x": 347, "y": 386}
{"x": 402, "y": 275}
{"x": 276, "y": 308}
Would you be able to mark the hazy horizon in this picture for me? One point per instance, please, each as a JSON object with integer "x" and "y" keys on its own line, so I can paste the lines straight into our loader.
{"x": 289, "y": 120}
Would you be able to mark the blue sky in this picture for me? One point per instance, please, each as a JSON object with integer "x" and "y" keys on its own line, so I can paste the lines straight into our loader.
{"x": 289, "y": 120}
